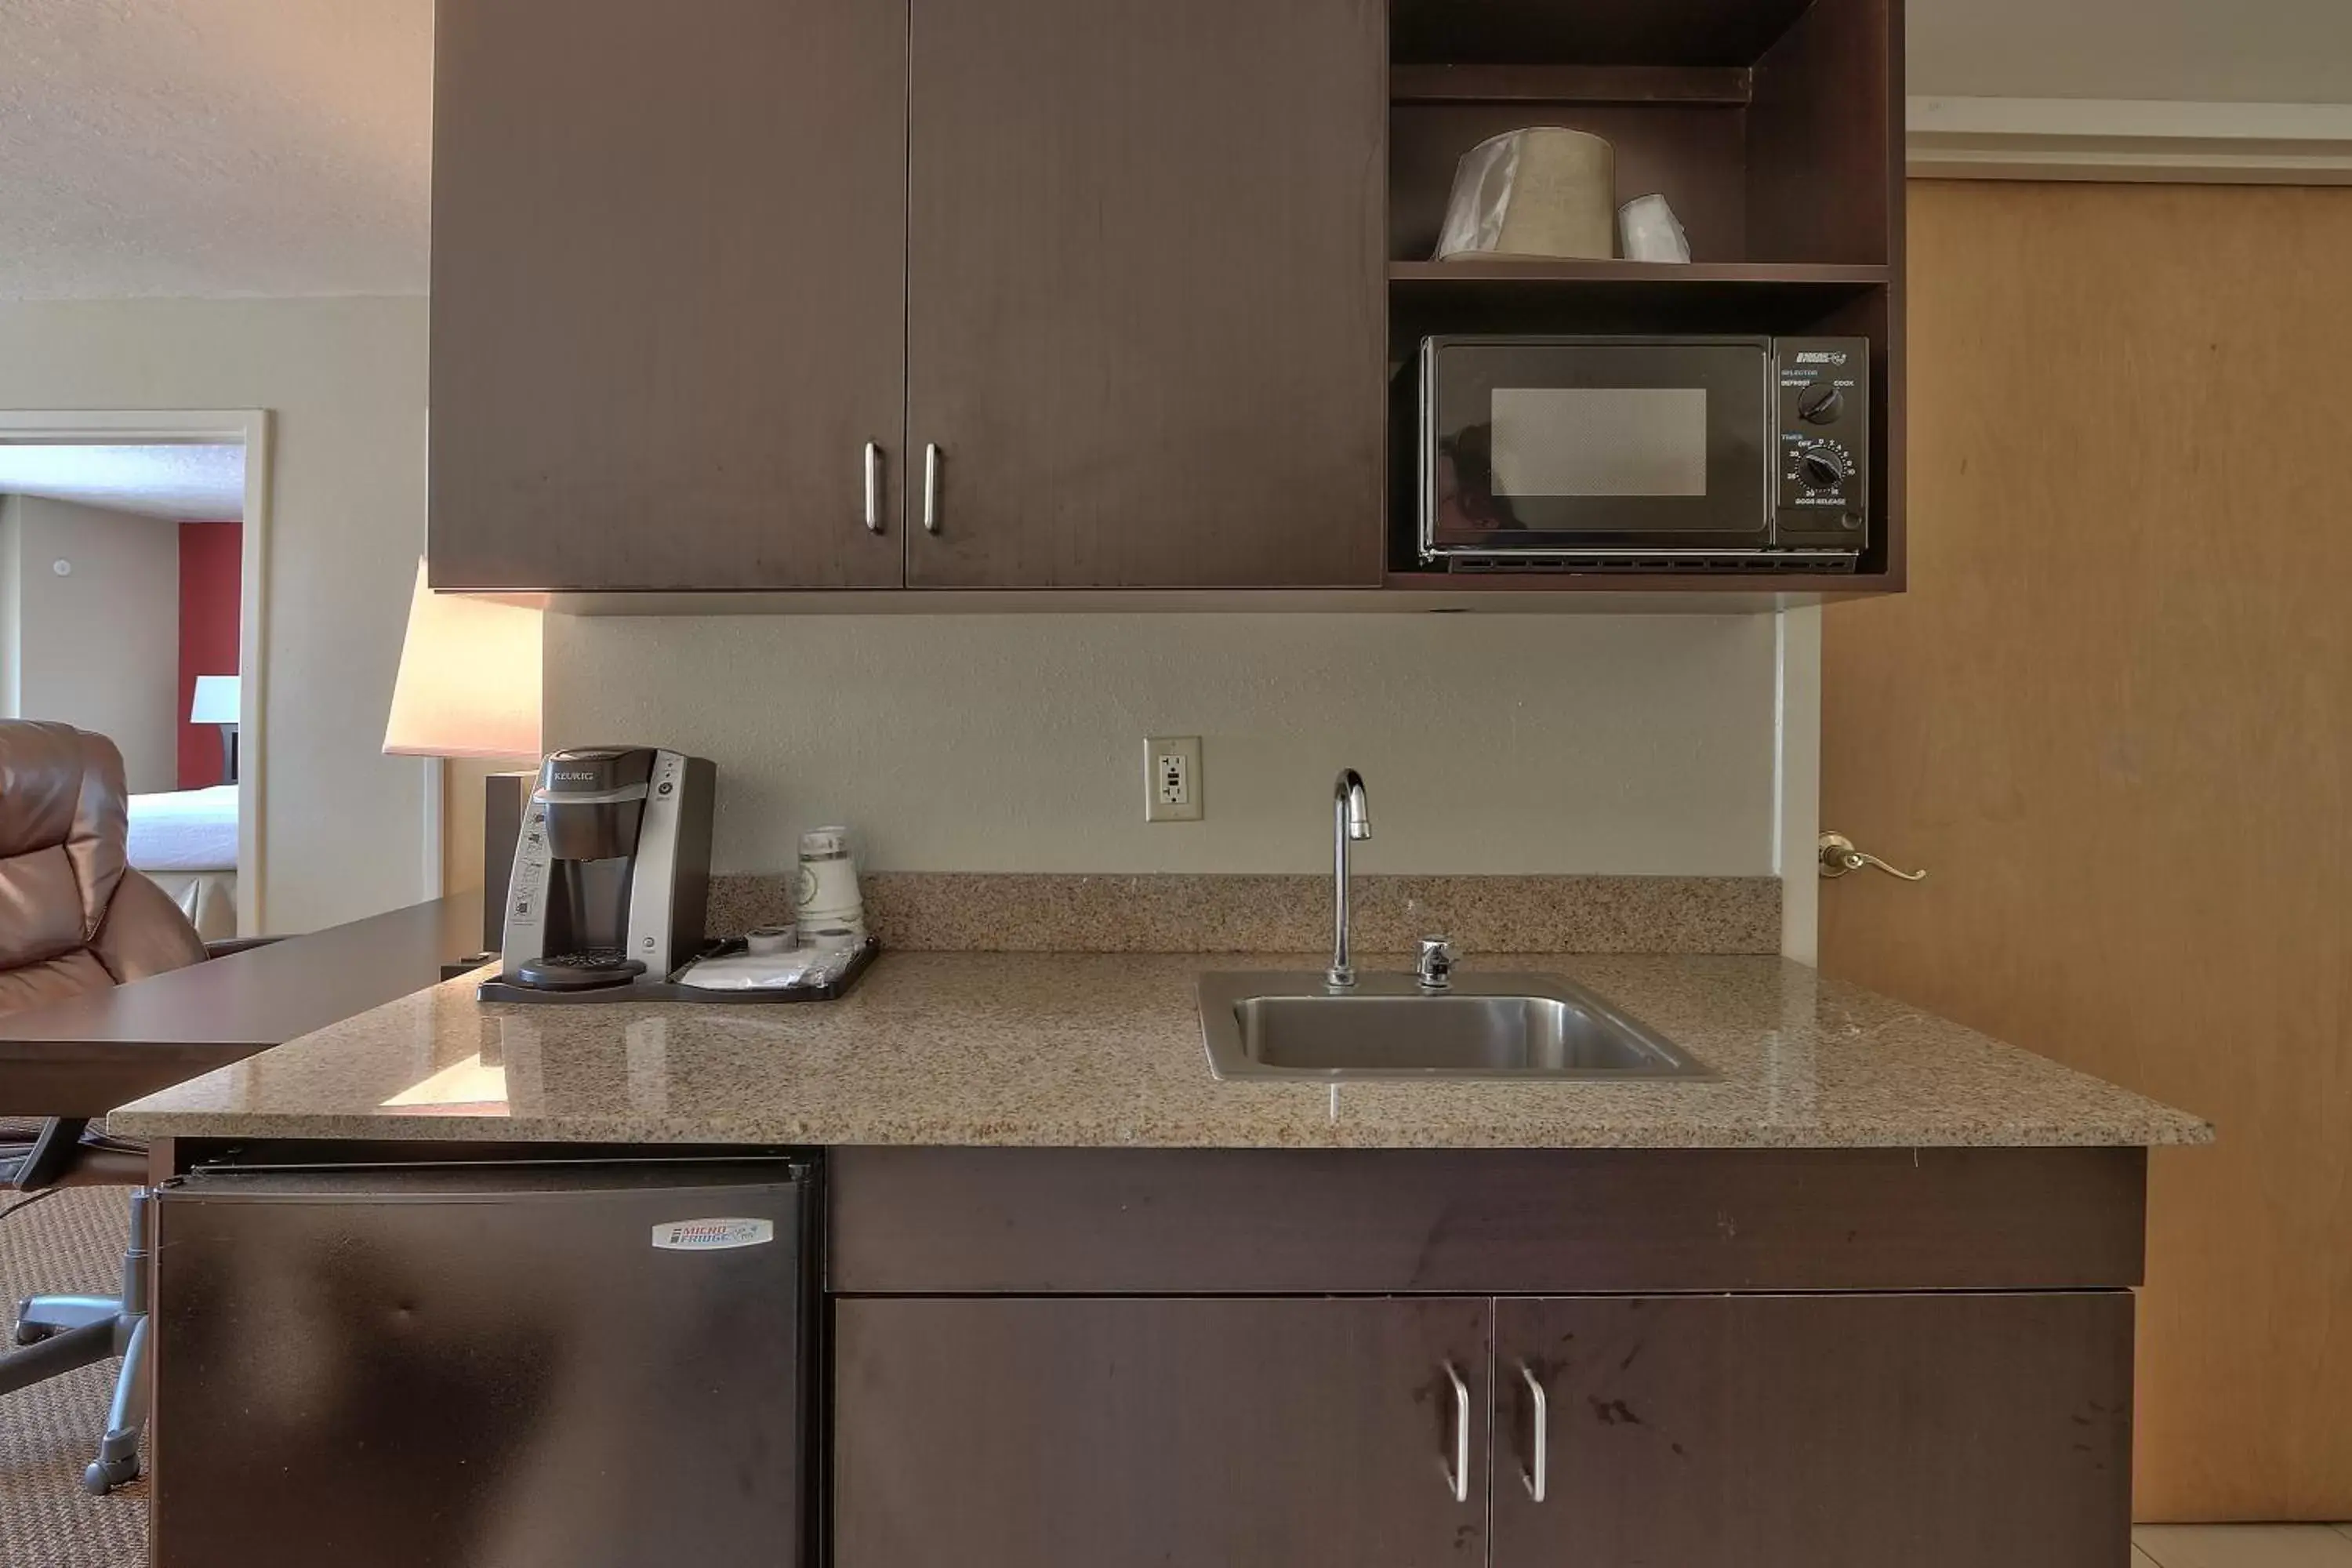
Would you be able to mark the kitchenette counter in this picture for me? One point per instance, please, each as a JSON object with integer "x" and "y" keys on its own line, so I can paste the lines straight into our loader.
{"x": 1105, "y": 1050}
{"x": 1878, "y": 1270}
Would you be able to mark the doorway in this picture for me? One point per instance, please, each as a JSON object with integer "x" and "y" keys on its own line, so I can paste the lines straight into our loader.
{"x": 132, "y": 603}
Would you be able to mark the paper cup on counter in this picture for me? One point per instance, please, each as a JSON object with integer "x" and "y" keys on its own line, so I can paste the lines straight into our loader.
{"x": 826, "y": 903}
{"x": 1538, "y": 193}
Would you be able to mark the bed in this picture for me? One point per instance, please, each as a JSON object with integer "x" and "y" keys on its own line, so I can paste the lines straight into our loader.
{"x": 185, "y": 841}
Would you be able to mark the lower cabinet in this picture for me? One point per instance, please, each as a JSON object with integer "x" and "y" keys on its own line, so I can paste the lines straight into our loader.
{"x": 1831, "y": 1431}
{"x": 1102, "y": 1433}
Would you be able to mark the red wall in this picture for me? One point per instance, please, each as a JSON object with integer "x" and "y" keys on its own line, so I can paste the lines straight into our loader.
{"x": 212, "y": 557}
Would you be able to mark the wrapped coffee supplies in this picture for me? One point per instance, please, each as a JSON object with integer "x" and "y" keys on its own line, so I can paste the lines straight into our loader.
{"x": 1650, "y": 232}
{"x": 1542, "y": 192}
{"x": 1546, "y": 193}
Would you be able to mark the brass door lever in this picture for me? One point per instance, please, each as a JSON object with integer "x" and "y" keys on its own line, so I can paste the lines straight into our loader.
{"x": 1838, "y": 856}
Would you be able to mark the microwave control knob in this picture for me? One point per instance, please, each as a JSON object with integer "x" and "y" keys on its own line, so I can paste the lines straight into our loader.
{"x": 1820, "y": 403}
{"x": 1820, "y": 469}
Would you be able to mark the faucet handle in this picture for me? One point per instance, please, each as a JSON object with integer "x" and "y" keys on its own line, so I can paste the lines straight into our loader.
{"x": 1434, "y": 968}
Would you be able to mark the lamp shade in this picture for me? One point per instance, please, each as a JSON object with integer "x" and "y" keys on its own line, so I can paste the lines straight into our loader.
{"x": 215, "y": 702}
{"x": 468, "y": 682}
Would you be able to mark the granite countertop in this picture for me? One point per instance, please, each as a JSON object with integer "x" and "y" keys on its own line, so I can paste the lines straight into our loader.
{"x": 1076, "y": 1050}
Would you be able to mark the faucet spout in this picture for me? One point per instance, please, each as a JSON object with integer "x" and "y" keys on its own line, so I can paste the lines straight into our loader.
{"x": 1351, "y": 821}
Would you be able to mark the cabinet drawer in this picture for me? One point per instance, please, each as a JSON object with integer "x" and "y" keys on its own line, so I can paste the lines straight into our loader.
{"x": 1452, "y": 1222}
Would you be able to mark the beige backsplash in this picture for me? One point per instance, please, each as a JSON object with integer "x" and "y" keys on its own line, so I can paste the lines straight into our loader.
{"x": 1615, "y": 746}
{"x": 1172, "y": 912}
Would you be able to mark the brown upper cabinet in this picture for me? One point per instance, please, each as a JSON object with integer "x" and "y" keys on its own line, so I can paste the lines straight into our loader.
{"x": 1084, "y": 294}
{"x": 1145, "y": 307}
{"x": 1124, "y": 302}
{"x": 668, "y": 292}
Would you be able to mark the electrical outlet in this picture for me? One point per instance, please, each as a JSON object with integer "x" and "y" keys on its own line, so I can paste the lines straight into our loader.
{"x": 1171, "y": 778}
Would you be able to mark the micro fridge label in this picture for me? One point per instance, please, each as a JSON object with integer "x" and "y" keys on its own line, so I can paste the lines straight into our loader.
{"x": 712, "y": 1235}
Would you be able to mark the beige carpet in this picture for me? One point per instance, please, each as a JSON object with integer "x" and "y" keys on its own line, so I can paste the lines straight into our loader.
{"x": 70, "y": 1243}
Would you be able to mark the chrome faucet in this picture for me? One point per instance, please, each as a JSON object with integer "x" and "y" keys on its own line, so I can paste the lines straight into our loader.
{"x": 1351, "y": 819}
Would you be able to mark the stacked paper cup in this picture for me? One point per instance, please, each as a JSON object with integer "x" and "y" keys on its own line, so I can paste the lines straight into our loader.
{"x": 826, "y": 904}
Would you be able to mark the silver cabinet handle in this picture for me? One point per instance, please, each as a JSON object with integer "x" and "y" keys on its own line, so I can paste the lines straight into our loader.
{"x": 873, "y": 487}
{"x": 1457, "y": 1475}
{"x": 1839, "y": 857}
{"x": 931, "y": 487}
{"x": 1539, "y": 1468}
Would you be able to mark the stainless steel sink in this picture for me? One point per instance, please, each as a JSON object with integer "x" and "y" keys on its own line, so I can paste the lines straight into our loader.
{"x": 1295, "y": 1025}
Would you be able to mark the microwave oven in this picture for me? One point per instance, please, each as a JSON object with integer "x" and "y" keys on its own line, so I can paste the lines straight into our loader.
{"x": 1644, "y": 454}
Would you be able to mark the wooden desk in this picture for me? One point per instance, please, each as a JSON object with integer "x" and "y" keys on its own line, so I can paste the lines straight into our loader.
{"x": 86, "y": 1056}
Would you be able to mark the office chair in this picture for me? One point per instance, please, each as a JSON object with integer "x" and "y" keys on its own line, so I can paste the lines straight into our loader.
{"x": 75, "y": 918}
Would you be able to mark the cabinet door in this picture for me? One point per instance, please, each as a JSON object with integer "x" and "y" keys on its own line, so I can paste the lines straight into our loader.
{"x": 1147, "y": 292}
{"x": 668, "y": 278}
{"x": 1078, "y": 1433}
{"x": 1943, "y": 1431}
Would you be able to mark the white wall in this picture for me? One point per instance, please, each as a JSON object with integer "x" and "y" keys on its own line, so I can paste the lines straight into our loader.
{"x": 8, "y": 608}
{"x": 1496, "y": 744}
{"x": 2277, "y": 51}
{"x": 99, "y": 649}
{"x": 345, "y": 380}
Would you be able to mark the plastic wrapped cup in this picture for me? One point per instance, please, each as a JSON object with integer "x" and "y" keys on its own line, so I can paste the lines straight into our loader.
{"x": 1542, "y": 192}
{"x": 1650, "y": 232}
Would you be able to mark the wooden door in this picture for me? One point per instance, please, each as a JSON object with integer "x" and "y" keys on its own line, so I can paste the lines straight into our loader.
{"x": 2113, "y": 718}
{"x": 1933, "y": 1431}
{"x": 1146, "y": 293}
{"x": 668, "y": 278}
{"x": 1210, "y": 1433}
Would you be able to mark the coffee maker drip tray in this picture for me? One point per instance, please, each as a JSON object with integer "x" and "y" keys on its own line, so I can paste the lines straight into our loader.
{"x": 583, "y": 971}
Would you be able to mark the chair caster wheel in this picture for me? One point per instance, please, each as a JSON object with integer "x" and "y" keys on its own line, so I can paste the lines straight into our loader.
{"x": 104, "y": 1475}
{"x": 25, "y": 1333}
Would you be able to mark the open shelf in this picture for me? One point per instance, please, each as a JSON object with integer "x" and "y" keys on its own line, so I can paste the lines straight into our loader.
{"x": 1591, "y": 32}
{"x": 1741, "y": 297}
{"x": 1729, "y": 592}
{"x": 1662, "y": 274}
{"x": 1622, "y": 296}
{"x": 1774, "y": 129}
{"x": 1717, "y": 86}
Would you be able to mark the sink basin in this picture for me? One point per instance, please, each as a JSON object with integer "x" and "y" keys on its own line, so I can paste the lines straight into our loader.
{"x": 1291, "y": 1025}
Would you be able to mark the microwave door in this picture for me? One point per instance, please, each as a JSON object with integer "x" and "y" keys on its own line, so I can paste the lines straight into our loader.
{"x": 1539, "y": 446}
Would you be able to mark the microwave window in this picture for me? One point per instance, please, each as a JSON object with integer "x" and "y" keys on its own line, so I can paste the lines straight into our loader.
{"x": 1599, "y": 441}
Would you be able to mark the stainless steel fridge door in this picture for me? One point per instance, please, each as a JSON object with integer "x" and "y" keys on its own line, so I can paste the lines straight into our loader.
{"x": 518, "y": 1366}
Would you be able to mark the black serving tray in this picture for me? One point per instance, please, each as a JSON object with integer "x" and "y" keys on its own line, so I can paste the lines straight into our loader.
{"x": 669, "y": 989}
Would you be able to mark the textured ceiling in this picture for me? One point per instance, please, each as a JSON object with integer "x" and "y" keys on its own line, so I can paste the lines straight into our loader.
{"x": 284, "y": 146}
{"x": 213, "y": 147}
{"x": 198, "y": 483}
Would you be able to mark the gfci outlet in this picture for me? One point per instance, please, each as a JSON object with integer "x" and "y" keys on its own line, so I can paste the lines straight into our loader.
{"x": 1171, "y": 783}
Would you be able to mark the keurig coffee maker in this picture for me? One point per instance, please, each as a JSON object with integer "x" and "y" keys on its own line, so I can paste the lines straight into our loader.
{"x": 612, "y": 874}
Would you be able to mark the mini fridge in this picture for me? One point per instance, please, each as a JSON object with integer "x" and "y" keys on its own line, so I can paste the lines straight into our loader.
{"x": 562, "y": 1364}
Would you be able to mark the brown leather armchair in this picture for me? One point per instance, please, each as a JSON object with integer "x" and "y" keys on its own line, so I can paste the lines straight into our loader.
{"x": 73, "y": 918}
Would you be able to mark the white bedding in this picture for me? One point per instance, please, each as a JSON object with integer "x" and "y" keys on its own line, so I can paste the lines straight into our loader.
{"x": 187, "y": 830}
